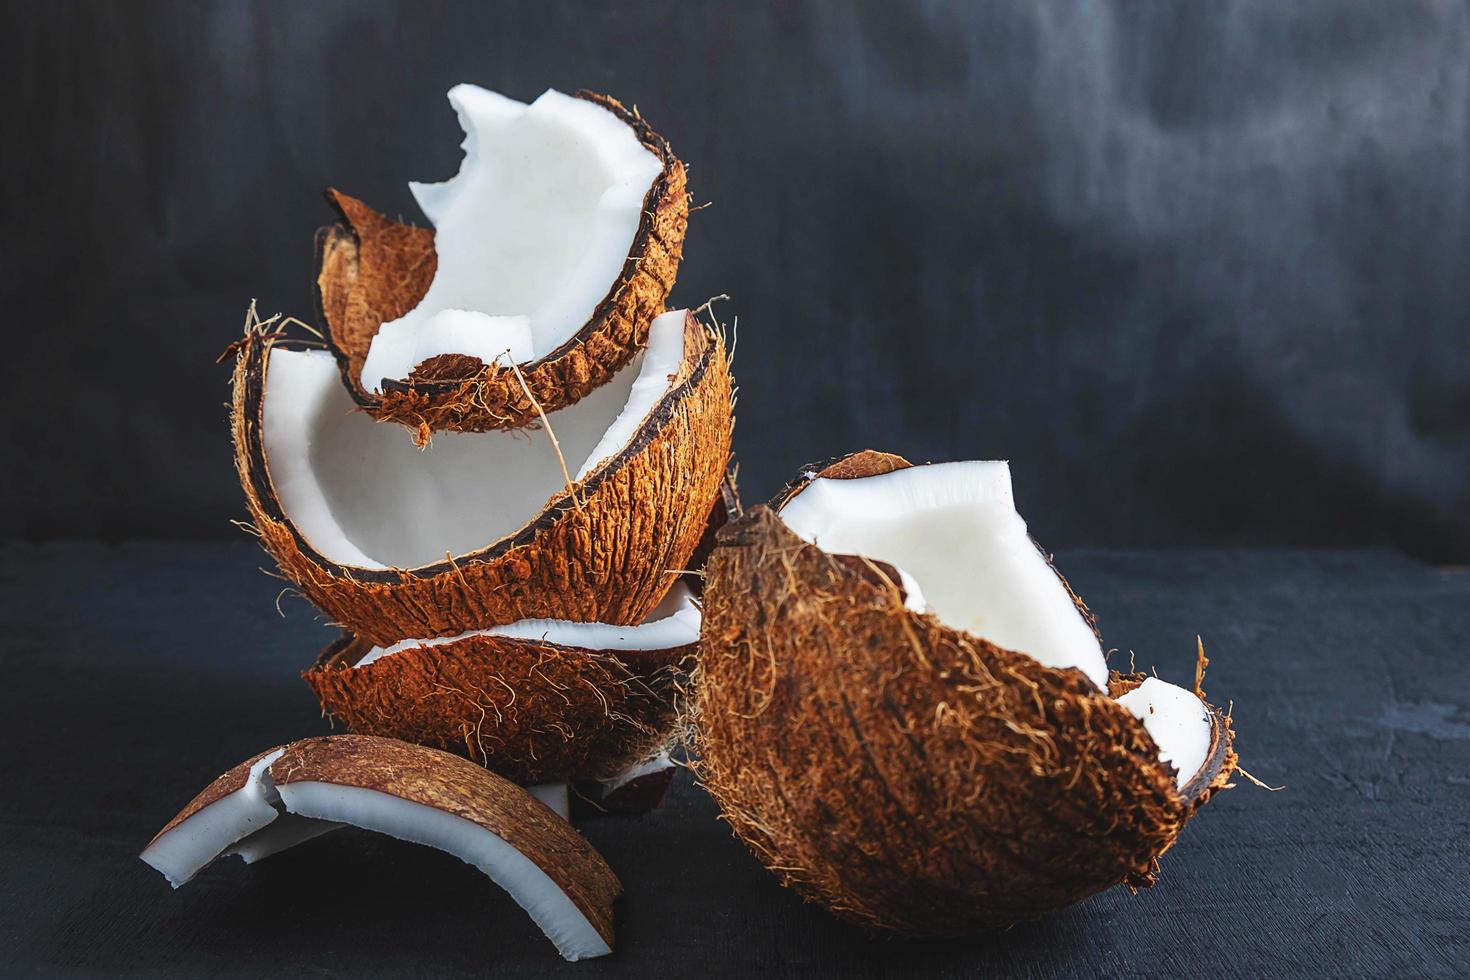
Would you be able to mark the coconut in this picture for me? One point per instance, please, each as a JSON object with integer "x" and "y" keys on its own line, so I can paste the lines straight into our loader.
{"x": 586, "y": 516}
{"x": 554, "y": 248}
{"x": 536, "y": 700}
{"x": 292, "y": 793}
{"x": 906, "y": 714}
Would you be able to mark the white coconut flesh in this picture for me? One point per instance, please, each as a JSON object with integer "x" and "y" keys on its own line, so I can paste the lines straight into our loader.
{"x": 558, "y": 796}
{"x": 649, "y": 766}
{"x": 363, "y": 496}
{"x": 531, "y": 234}
{"x": 963, "y": 553}
{"x": 244, "y": 823}
{"x": 674, "y": 622}
{"x": 1178, "y": 722}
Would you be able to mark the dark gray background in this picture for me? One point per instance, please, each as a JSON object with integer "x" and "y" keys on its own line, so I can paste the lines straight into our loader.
{"x": 1198, "y": 270}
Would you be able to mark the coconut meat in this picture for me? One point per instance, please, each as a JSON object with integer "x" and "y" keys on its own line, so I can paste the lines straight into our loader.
{"x": 558, "y": 796}
{"x": 532, "y": 234}
{"x": 962, "y": 551}
{"x": 363, "y": 496}
{"x": 1178, "y": 722}
{"x": 531, "y": 888}
{"x": 649, "y": 766}
{"x": 674, "y": 622}
{"x": 181, "y": 852}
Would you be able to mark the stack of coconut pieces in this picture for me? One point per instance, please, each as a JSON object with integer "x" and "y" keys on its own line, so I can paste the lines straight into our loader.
{"x": 493, "y": 471}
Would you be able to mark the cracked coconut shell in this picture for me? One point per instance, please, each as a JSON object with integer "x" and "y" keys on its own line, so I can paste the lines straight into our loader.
{"x": 530, "y": 710}
{"x": 601, "y": 549}
{"x": 372, "y": 270}
{"x": 909, "y": 776}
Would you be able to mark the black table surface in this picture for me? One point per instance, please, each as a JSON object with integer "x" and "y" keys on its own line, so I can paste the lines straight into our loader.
{"x": 136, "y": 673}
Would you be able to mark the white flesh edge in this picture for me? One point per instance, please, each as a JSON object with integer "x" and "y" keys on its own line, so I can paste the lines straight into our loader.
{"x": 1178, "y": 722}
{"x": 287, "y": 831}
{"x": 673, "y": 623}
{"x": 363, "y": 496}
{"x": 558, "y": 796}
{"x": 953, "y": 532}
{"x": 531, "y": 888}
{"x": 183, "y": 851}
{"x": 647, "y": 767}
{"x": 537, "y": 225}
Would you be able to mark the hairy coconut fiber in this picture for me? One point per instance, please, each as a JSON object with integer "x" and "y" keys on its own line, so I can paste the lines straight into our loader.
{"x": 601, "y": 550}
{"x": 371, "y": 270}
{"x": 530, "y": 710}
{"x": 909, "y": 776}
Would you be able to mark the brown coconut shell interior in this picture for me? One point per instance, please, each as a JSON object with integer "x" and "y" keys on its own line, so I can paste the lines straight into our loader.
{"x": 530, "y": 710}
{"x": 906, "y": 775}
{"x": 372, "y": 269}
{"x": 599, "y": 551}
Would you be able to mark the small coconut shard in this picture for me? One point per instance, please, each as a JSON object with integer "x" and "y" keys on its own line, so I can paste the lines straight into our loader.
{"x": 229, "y": 810}
{"x": 535, "y": 701}
{"x": 906, "y": 773}
{"x": 414, "y": 794}
{"x": 554, "y": 248}
{"x": 583, "y": 517}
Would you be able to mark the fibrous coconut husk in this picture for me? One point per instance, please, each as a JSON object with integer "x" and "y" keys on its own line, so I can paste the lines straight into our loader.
{"x": 601, "y": 550}
{"x": 531, "y": 710}
{"x": 371, "y": 270}
{"x": 906, "y": 775}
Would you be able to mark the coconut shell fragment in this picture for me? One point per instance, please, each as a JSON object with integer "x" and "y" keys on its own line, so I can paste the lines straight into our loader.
{"x": 906, "y": 775}
{"x": 411, "y": 793}
{"x": 603, "y": 548}
{"x": 372, "y": 269}
{"x": 532, "y": 710}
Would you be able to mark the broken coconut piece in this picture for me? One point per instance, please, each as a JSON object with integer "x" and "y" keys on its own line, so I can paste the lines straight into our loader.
{"x": 584, "y": 517}
{"x": 957, "y": 783}
{"x": 414, "y": 794}
{"x": 537, "y": 700}
{"x": 554, "y": 247}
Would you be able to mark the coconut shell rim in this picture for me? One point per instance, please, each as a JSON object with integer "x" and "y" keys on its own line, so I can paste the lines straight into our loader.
{"x": 255, "y": 353}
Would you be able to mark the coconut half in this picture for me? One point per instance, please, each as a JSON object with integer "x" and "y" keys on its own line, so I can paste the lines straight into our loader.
{"x": 414, "y": 794}
{"x": 907, "y": 767}
{"x": 536, "y": 700}
{"x": 553, "y": 248}
{"x": 584, "y": 517}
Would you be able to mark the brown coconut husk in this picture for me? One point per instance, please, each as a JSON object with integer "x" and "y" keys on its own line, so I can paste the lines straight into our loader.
{"x": 601, "y": 550}
{"x": 905, "y": 775}
{"x": 372, "y": 269}
{"x": 530, "y": 710}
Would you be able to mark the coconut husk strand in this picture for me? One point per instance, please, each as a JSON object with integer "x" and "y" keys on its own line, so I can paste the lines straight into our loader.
{"x": 372, "y": 270}
{"x": 525, "y": 706}
{"x": 412, "y": 793}
{"x": 909, "y": 776}
{"x": 600, "y": 544}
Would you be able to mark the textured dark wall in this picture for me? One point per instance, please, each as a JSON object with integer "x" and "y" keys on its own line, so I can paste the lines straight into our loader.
{"x": 1198, "y": 270}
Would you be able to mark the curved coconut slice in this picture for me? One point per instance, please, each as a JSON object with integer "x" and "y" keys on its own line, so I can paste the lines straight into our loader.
{"x": 907, "y": 774}
{"x": 536, "y": 700}
{"x": 554, "y": 247}
{"x": 414, "y": 794}
{"x": 481, "y": 529}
